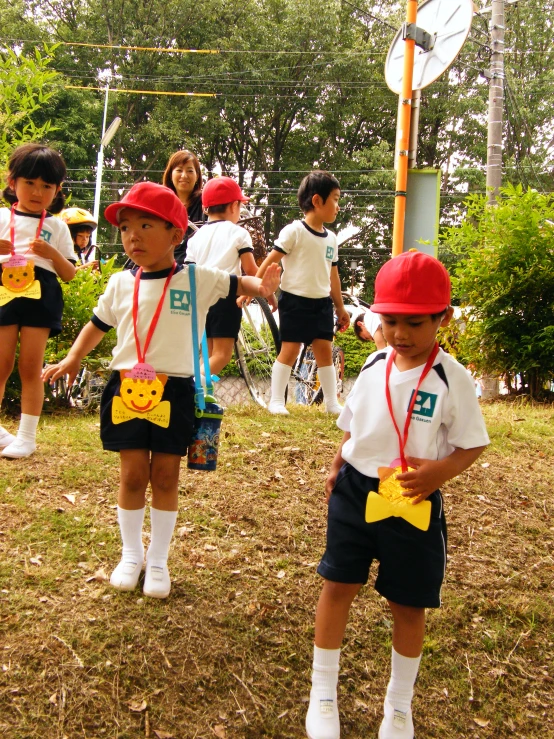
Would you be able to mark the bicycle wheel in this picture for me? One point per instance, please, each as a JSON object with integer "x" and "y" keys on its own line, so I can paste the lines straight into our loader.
{"x": 308, "y": 388}
{"x": 87, "y": 389}
{"x": 256, "y": 348}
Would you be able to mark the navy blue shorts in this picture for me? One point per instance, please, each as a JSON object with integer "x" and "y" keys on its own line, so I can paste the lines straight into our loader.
{"x": 139, "y": 433}
{"x": 411, "y": 562}
{"x": 223, "y": 319}
{"x": 301, "y": 320}
{"x": 46, "y": 312}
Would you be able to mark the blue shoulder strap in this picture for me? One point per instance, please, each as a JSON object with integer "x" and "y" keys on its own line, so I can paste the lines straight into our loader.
{"x": 199, "y": 399}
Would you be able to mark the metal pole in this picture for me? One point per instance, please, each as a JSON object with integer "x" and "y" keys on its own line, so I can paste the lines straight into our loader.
{"x": 496, "y": 102}
{"x": 414, "y": 129}
{"x": 99, "y": 166}
{"x": 403, "y": 135}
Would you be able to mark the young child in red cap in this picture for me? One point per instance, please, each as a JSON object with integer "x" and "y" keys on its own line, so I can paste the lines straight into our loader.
{"x": 220, "y": 243}
{"x": 411, "y": 422}
{"x": 147, "y": 410}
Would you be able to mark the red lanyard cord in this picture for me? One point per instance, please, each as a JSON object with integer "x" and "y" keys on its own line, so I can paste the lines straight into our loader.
{"x": 142, "y": 355}
{"x": 12, "y": 227}
{"x": 402, "y": 440}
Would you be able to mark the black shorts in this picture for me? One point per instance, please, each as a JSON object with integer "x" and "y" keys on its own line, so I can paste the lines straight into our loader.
{"x": 139, "y": 433}
{"x": 301, "y": 320}
{"x": 411, "y": 562}
{"x": 223, "y": 319}
{"x": 46, "y": 312}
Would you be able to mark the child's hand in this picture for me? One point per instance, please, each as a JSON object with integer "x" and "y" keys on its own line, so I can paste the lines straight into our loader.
{"x": 5, "y": 246}
{"x": 272, "y": 300}
{"x": 243, "y": 300}
{"x": 343, "y": 319}
{"x": 427, "y": 476}
{"x": 67, "y": 366}
{"x": 270, "y": 280}
{"x": 43, "y": 249}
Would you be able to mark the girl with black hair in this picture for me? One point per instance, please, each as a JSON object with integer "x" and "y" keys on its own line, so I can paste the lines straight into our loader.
{"x": 35, "y": 249}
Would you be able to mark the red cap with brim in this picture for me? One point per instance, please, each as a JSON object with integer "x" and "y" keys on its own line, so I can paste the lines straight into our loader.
{"x": 156, "y": 200}
{"x": 413, "y": 283}
{"x": 220, "y": 191}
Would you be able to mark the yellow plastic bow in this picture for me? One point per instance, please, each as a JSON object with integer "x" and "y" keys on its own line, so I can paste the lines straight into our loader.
{"x": 389, "y": 501}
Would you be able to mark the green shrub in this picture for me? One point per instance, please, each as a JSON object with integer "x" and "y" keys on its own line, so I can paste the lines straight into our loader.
{"x": 355, "y": 351}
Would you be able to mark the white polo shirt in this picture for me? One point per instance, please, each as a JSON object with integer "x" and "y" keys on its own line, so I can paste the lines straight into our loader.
{"x": 307, "y": 260}
{"x": 219, "y": 244}
{"x": 54, "y": 231}
{"x": 446, "y": 414}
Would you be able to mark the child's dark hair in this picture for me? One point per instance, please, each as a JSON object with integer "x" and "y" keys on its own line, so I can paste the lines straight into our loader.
{"x": 357, "y": 329}
{"x": 213, "y": 210}
{"x": 32, "y": 161}
{"x": 319, "y": 183}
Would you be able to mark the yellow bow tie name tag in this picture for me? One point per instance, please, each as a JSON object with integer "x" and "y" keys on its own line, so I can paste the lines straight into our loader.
{"x": 31, "y": 291}
{"x": 158, "y": 415}
{"x": 390, "y": 501}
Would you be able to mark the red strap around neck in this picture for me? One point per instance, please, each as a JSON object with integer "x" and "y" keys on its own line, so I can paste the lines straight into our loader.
{"x": 142, "y": 354}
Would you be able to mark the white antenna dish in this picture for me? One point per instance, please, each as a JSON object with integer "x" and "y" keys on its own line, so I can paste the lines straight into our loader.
{"x": 447, "y": 24}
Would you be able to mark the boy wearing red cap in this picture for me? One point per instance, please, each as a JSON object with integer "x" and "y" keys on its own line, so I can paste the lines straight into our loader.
{"x": 411, "y": 423}
{"x": 221, "y": 244}
{"x": 147, "y": 410}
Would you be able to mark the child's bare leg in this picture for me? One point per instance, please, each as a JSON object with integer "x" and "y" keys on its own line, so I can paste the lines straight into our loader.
{"x": 32, "y": 343}
{"x": 407, "y": 644}
{"x": 164, "y": 479}
{"x": 221, "y": 352}
{"x": 8, "y": 342}
{"x": 280, "y": 375}
{"x": 323, "y": 353}
{"x": 134, "y": 477}
{"x": 322, "y": 719}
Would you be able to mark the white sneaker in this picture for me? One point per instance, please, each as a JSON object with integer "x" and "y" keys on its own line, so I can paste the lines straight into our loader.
{"x": 5, "y": 438}
{"x": 19, "y": 449}
{"x": 126, "y": 574}
{"x": 157, "y": 582}
{"x": 277, "y": 408}
{"x": 396, "y": 724}
{"x": 322, "y": 719}
{"x": 333, "y": 408}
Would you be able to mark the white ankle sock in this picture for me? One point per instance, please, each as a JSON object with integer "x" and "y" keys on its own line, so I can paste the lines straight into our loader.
{"x": 325, "y": 674}
{"x": 328, "y": 379}
{"x": 403, "y": 676}
{"x": 280, "y": 374}
{"x": 27, "y": 430}
{"x": 130, "y": 527}
{"x": 162, "y": 524}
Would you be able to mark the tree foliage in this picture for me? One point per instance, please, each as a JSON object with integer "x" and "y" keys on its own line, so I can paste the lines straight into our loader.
{"x": 505, "y": 282}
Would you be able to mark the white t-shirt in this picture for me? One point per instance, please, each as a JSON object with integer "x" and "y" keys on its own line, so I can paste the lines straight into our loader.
{"x": 170, "y": 350}
{"x": 307, "y": 260}
{"x": 219, "y": 244}
{"x": 372, "y": 322}
{"x": 54, "y": 231}
{"x": 446, "y": 414}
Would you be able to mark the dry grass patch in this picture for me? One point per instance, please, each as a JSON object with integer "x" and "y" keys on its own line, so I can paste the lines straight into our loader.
{"x": 229, "y": 653}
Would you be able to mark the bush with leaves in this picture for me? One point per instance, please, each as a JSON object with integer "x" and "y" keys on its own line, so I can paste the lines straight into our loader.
{"x": 505, "y": 283}
{"x": 355, "y": 351}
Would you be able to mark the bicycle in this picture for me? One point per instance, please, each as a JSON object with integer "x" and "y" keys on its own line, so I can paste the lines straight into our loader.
{"x": 86, "y": 391}
{"x": 307, "y": 388}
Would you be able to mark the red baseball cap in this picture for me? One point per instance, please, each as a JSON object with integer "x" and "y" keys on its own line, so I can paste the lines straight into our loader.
{"x": 220, "y": 191}
{"x": 413, "y": 283}
{"x": 149, "y": 197}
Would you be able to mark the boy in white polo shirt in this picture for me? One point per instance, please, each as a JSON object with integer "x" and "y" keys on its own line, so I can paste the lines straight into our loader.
{"x": 147, "y": 409}
{"x": 310, "y": 286}
{"x": 411, "y": 423}
{"x": 221, "y": 244}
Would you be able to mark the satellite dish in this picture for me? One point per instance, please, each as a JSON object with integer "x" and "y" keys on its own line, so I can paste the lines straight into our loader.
{"x": 448, "y": 23}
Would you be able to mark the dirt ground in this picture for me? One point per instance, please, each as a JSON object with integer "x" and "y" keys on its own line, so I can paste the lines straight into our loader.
{"x": 228, "y": 654}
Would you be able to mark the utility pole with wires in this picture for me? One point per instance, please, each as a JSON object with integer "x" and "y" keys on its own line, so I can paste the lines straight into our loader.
{"x": 496, "y": 102}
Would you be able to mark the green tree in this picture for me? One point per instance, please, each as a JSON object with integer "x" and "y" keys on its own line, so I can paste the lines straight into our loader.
{"x": 505, "y": 282}
{"x": 26, "y": 85}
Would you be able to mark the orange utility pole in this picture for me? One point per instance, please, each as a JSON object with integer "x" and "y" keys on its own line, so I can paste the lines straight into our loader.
{"x": 403, "y": 134}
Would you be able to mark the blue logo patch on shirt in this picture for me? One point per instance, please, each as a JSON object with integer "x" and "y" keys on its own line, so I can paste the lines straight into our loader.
{"x": 425, "y": 404}
{"x": 330, "y": 252}
{"x": 179, "y": 301}
{"x": 46, "y": 235}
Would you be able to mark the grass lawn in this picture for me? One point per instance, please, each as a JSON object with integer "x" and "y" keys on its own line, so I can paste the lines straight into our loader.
{"x": 228, "y": 654}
